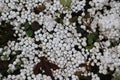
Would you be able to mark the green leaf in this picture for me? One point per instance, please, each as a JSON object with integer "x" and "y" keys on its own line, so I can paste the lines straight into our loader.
{"x": 89, "y": 47}
{"x": 116, "y": 77}
{"x": 59, "y": 20}
{"x": 91, "y": 38}
{"x": 63, "y": 2}
{"x": 66, "y": 3}
{"x": 27, "y": 25}
{"x": 29, "y": 33}
{"x": 73, "y": 19}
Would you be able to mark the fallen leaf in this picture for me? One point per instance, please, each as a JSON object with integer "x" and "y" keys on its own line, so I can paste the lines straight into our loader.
{"x": 39, "y": 8}
{"x": 66, "y": 3}
{"x": 78, "y": 73}
{"x": 27, "y": 25}
{"x": 6, "y": 33}
{"x": 88, "y": 67}
{"x": 35, "y": 26}
{"x": 45, "y": 65}
{"x": 73, "y": 19}
{"x": 91, "y": 38}
{"x": 29, "y": 33}
{"x": 87, "y": 20}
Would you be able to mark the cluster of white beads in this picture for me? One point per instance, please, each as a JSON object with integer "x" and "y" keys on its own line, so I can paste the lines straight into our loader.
{"x": 58, "y": 40}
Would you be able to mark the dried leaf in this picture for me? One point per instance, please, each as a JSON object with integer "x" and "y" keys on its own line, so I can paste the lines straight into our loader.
{"x": 81, "y": 77}
{"x": 35, "y": 26}
{"x": 88, "y": 67}
{"x": 78, "y": 73}
{"x": 53, "y": 66}
{"x": 87, "y": 20}
{"x": 37, "y": 67}
{"x": 39, "y": 8}
{"x": 6, "y": 33}
{"x": 46, "y": 66}
{"x": 82, "y": 65}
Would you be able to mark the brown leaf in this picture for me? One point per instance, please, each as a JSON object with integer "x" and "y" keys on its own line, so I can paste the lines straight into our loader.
{"x": 82, "y": 65}
{"x": 53, "y": 66}
{"x": 78, "y": 73}
{"x": 45, "y": 65}
{"x": 39, "y": 8}
{"x": 87, "y": 20}
{"x": 88, "y": 67}
{"x": 36, "y": 68}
